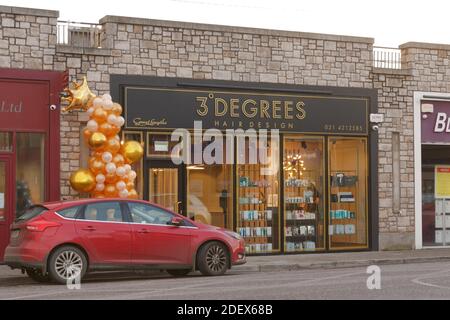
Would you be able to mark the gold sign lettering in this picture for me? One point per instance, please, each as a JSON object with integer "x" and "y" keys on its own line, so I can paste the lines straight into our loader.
{"x": 263, "y": 109}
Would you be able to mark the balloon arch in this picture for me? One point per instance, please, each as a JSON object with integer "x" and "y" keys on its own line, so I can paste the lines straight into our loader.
{"x": 110, "y": 174}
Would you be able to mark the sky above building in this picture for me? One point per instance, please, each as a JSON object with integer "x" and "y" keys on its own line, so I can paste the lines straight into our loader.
{"x": 390, "y": 22}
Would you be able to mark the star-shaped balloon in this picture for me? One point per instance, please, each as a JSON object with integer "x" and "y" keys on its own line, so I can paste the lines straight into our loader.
{"x": 79, "y": 98}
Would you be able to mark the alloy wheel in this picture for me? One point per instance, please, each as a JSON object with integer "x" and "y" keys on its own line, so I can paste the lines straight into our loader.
{"x": 216, "y": 258}
{"x": 68, "y": 265}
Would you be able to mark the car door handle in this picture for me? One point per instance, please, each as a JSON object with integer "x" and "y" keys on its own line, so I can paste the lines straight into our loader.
{"x": 89, "y": 229}
{"x": 143, "y": 231}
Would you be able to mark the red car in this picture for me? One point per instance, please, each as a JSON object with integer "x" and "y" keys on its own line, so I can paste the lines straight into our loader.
{"x": 62, "y": 240}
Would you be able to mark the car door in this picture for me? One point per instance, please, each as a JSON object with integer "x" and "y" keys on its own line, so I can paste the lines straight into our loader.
{"x": 155, "y": 241}
{"x": 104, "y": 232}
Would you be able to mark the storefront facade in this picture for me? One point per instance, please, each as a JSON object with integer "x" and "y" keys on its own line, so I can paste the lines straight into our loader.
{"x": 29, "y": 143}
{"x": 253, "y": 65}
{"x": 323, "y": 132}
{"x": 432, "y": 164}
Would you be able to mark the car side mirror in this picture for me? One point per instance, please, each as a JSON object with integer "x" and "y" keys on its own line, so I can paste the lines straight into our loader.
{"x": 176, "y": 221}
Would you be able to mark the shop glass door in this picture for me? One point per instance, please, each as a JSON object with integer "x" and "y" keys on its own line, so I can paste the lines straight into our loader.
{"x": 165, "y": 185}
{"x": 348, "y": 193}
{"x": 6, "y": 189}
{"x": 304, "y": 218}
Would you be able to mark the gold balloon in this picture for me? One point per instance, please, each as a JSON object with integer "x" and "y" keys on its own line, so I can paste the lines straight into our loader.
{"x": 132, "y": 194}
{"x": 113, "y": 145}
{"x": 130, "y": 185}
{"x": 97, "y": 166}
{"x": 117, "y": 109}
{"x": 111, "y": 178}
{"x": 118, "y": 159}
{"x": 97, "y": 140}
{"x": 110, "y": 191}
{"x": 132, "y": 151}
{"x": 79, "y": 98}
{"x": 100, "y": 115}
{"x": 82, "y": 180}
{"x": 87, "y": 134}
{"x": 107, "y": 129}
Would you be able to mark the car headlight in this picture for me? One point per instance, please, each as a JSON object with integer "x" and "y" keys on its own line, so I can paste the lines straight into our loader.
{"x": 234, "y": 235}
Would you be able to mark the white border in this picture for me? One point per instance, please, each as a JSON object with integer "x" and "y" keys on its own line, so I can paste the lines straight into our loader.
{"x": 418, "y": 97}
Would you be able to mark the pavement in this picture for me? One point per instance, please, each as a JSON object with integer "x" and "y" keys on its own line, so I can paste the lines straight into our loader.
{"x": 405, "y": 281}
{"x": 320, "y": 261}
{"x": 341, "y": 260}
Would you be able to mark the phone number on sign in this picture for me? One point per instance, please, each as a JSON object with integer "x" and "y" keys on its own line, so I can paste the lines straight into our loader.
{"x": 346, "y": 128}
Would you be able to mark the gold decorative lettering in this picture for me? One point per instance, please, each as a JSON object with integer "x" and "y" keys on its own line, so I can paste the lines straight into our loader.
{"x": 264, "y": 106}
{"x": 234, "y": 105}
{"x": 203, "y": 111}
{"x": 218, "y": 113}
{"x": 301, "y": 111}
{"x": 253, "y": 109}
{"x": 276, "y": 108}
{"x": 288, "y": 109}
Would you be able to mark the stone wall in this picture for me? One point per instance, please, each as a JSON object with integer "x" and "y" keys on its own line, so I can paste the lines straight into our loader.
{"x": 196, "y": 51}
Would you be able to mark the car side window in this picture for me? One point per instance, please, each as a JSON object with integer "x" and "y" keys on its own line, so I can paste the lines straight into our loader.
{"x": 69, "y": 213}
{"x": 146, "y": 214}
{"x": 103, "y": 211}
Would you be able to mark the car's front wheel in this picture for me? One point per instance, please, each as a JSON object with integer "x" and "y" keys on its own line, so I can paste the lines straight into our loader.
{"x": 67, "y": 265}
{"x": 178, "y": 272}
{"x": 213, "y": 259}
{"x": 37, "y": 275}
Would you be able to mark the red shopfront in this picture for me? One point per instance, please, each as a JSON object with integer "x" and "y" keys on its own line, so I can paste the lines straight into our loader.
{"x": 29, "y": 143}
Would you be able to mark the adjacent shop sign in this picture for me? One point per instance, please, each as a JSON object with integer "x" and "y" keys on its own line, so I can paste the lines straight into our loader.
{"x": 435, "y": 121}
{"x": 160, "y": 108}
{"x": 442, "y": 182}
{"x": 24, "y": 105}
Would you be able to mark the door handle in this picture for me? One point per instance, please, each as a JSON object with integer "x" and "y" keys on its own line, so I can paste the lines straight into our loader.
{"x": 89, "y": 229}
{"x": 143, "y": 231}
{"x": 176, "y": 207}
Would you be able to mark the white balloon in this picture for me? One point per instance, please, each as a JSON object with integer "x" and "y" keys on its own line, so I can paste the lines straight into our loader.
{"x": 120, "y": 121}
{"x": 123, "y": 193}
{"x": 111, "y": 168}
{"x": 127, "y": 168}
{"x": 98, "y": 102}
{"x": 92, "y": 125}
{"x": 107, "y": 157}
{"x": 90, "y": 111}
{"x": 107, "y": 105}
{"x": 100, "y": 187}
{"x": 107, "y": 97}
{"x": 112, "y": 119}
{"x": 121, "y": 185}
{"x": 120, "y": 171}
{"x": 132, "y": 175}
{"x": 100, "y": 178}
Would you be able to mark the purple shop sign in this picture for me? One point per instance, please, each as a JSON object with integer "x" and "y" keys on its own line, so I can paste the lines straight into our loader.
{"x": 435, "y": 121}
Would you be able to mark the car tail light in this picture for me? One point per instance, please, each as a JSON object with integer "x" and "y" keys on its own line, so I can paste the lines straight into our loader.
{"x": 41, "y": 225}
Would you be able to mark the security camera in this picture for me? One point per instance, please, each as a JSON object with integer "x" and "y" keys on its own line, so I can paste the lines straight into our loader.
{"x": 375, "y": 127}
{"x": 53, "y": 107}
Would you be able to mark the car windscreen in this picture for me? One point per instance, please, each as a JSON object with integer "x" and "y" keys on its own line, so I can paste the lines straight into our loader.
{"x": 30, "y": 213}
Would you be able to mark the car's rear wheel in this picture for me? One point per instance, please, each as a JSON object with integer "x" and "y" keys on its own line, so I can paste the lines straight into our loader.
{"x": 178, "y": 272}
{"x": 67, "y": 265}
{"x": 37, "y": 275}
{"x": 213, "y": 259}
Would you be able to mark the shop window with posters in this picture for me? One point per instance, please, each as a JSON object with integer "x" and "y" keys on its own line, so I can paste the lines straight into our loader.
{"x": 303, "y": 167}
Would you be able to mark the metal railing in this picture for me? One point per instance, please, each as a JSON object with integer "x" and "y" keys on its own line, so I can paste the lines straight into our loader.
{"x": 80, "y": 34}
{"x": 388, "y": 58}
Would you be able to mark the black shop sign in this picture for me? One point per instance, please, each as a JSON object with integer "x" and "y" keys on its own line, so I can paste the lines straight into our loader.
{"x": 164, "y": 108}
